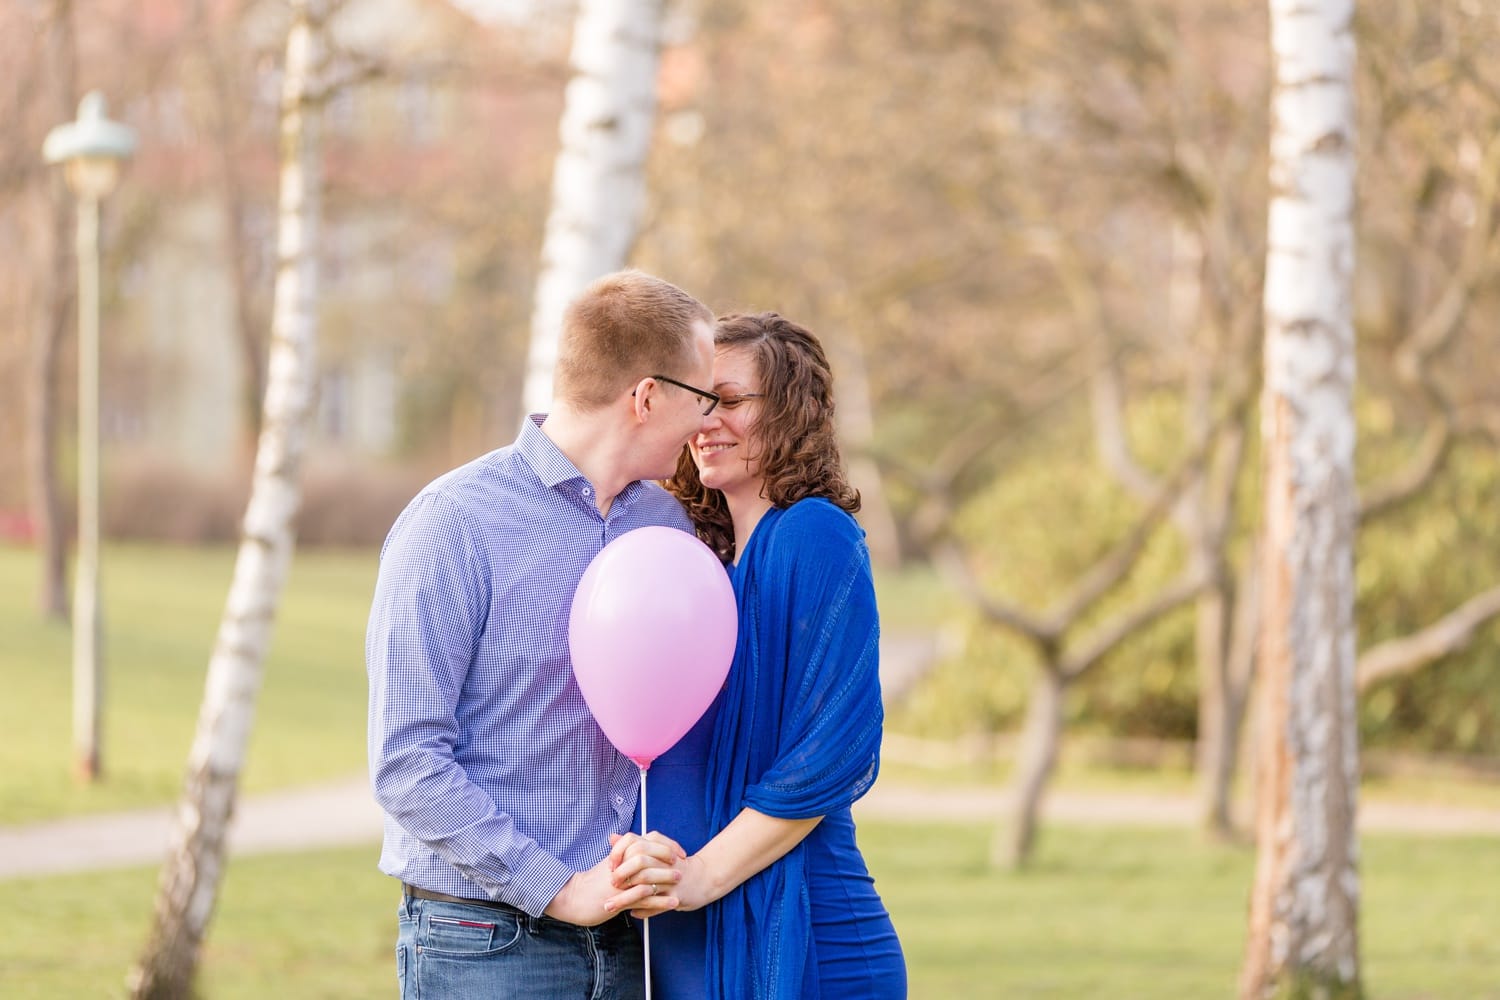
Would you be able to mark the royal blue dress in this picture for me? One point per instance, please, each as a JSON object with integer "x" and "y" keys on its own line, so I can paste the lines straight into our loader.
{"x": 796, "y": 735}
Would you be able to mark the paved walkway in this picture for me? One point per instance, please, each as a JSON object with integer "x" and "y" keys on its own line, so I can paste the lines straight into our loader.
{"x": 343, "y": 813}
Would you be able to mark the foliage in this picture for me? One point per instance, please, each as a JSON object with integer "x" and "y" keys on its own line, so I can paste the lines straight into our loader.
{"x": 1051, "y": 511}
{"x": 1104, "y": 912}
{"x": 344, "y": 502}
{"x": 994, "y": 140}
{"x": 1413, "y": 566}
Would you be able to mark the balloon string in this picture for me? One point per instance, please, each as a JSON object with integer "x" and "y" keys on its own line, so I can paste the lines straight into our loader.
{"x": 645, "y": 924}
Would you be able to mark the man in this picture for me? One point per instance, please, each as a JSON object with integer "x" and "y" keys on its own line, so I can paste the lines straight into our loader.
{"x": 500, "y": 790}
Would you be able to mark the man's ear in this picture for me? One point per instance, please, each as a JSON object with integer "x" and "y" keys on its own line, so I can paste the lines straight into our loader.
{"x": 643, "y": 398}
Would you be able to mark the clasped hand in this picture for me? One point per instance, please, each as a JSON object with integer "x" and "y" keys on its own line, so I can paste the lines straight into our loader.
{"x": 591, "y": 897}
{"x": 652, "y": 873}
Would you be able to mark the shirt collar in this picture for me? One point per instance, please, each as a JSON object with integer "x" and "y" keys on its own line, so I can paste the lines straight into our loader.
{"x": 554, "y": 468}
{"x": 551, "y": 466}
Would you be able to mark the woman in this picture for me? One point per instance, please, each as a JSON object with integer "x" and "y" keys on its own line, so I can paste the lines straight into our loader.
{"x": 791, "y": 910}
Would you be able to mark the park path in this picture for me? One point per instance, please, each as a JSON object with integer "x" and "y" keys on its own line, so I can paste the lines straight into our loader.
{"x": 343, "y": 813}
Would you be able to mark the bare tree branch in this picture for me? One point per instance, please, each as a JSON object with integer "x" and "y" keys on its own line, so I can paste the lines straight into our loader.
{"x": 1106, "y": 391}
{"x": 1115, "y": 565}
{"x": 1107, "y": 399}
{"x": 344, "y": 69}
{"x": 1480, "y": 420}
{"x": 1447, "y": 635}
{"x": 955, "y": 567}
{"x": 1113, "y": 632}
{"x": 1219, "y": 503}
{"x": 1105, "y": 574}
{"x": 1438, "y": 328}
{"x": 1432, "y": 335}
{"x": 1436, "y": 444}
{"x": 936, "y": 480}
{"x": 1244, "y": 641}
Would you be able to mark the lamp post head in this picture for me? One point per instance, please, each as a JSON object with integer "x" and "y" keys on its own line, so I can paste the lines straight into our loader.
{"x": 90, "y": 148}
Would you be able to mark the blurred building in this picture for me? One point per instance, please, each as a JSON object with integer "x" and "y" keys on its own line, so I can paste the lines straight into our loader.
{"x": 449, "y": 118}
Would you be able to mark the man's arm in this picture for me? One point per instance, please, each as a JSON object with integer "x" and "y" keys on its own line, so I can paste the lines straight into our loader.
{"x": 431, "y": 603}
{"x": 592, "y": 897}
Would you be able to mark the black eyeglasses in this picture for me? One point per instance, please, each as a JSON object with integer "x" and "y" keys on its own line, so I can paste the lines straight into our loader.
{"x": 711, "y": 398}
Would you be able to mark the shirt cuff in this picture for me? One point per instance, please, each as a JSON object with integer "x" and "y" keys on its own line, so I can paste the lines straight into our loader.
{"x": 538, "y": 877}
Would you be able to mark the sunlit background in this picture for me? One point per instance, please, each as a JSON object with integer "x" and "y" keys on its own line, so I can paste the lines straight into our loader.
{"x": 1032, "y": 235}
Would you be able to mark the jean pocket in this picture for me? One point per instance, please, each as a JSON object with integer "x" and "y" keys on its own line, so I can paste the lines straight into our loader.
{"x": 461, "y": 935}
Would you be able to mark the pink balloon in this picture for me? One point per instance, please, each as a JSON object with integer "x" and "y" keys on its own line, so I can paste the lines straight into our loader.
{"x": 652, "y": 633}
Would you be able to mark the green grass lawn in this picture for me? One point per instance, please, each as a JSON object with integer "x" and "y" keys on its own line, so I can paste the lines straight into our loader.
{"x": 162, "y": 606}
{"x": 1103, "y": 914}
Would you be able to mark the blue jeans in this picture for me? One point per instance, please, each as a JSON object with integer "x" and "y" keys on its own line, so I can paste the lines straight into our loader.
{"x": 451, "y": 951}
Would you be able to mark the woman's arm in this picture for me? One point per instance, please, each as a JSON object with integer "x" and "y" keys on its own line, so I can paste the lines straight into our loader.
{"x": 751, "y": 842}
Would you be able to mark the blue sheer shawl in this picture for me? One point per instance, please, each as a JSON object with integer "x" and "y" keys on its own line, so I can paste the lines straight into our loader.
{"x": 798, "y": 733}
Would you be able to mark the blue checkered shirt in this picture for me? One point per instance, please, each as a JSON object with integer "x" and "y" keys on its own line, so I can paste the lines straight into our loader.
{"x": 495, "y": 780}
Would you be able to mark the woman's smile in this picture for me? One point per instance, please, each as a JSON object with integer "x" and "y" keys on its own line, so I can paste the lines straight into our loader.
{"x": 715, "y": 448}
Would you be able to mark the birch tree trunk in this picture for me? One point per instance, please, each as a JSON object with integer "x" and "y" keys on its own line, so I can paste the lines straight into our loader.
{"x": 1304, "y": 906}
{"x": 56, "y": 301}
{"x": 195, "y": 863}
{"x": 599, "y": 181}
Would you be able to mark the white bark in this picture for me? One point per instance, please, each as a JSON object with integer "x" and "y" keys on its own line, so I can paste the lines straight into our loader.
{"x": 194, "y": 866}
{"x": 1305, "y": 900}
{"x": 599, "y": 181}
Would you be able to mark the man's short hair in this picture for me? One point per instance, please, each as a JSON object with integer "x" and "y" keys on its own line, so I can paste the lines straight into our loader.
{"x": 621, "y": 328}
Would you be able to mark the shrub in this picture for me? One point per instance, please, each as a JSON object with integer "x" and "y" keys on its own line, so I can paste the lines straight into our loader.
{"x": 343, "y": 503}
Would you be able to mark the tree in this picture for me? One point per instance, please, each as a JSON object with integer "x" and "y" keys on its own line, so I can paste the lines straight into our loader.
{"x": 599, "y": 183}
{"x": 1430, "y": 249}
{"x": 1180, "y": 125}
{"x": 1182, "y": 122}
{"x": 194, "y": 867}
{"x": 221, "y": 55}
{"x": 52, "y": 318}
{"x": 1304, "y": 907}
{"x": 1062, "y": 658}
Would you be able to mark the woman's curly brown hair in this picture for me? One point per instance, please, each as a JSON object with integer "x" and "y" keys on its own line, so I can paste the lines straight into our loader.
{"x": 799, "y": 455}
